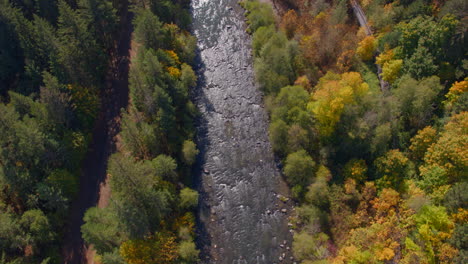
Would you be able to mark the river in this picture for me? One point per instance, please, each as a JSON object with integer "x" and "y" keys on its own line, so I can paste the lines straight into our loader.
{"x": 241, "y": 219}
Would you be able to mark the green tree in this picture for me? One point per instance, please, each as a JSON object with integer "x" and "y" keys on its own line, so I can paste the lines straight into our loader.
{"x": 102, "y": 229}
{"x": 188, "y": 252}
{"x": 189, "y": 151}
{"x": 290, "y": 104}
{"x": 139, "y": 201}
{"x": 415, "y": 99}
{"x": 188, "y": 198}
{"x": 80, "y": 58}
{"x": 57, "y": 102}
{"x": 258, "y": 14}
{"x": 164, "y": 167}
{"x": 103, "y": 18}
{"x": 36, "y": 227}
{"x": 310, "y": 247}
{"x": 148, "y": 29}
{"x": 139, "y": 137}
{"x": 434, "y": 226}
{"x": 392, "y": 169}
{"x": 299, "y": 168}
{"x": 278, "y": 132}
{"x": 318, "y": 192}
{"x": 10, "y": 232}
{"x": 457, "y": 197}
{"x": 274, "y": 67}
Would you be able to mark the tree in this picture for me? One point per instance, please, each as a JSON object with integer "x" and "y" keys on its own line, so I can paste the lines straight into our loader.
{"x": 312, "y": 247}
{"x": 148, "y": 29}
{"x": 356, "y": 169}
{"x": 261, "y": 37}
{"x": 332, "y": 94}
{"x": 188, "y": 198}
{"x": 37, "y": 229}
{"x": 299, "y": 168}
{"x": 102, "y": 229}
{"x": 140, "y": 203}
{"x": 290, "y": 23}
{"x": 421, "y": 63}
{"x": 258, "y": 14}
{"x": 278, "y": 132}
{"x": 274, "y": 67}
{"x": 426, "y": 32}
{"x": 298, "y": 138}
{"x": 367, "y": 48}
{"x": 158, "y": 248}
{"x": 318, "y": 192}
{"x": 391, "y": 70}
{"x": 455, "y": 92}
{"x": 57, "y": 102}
{"x": 111, "y": 258}
{"x": 188, "y": 252}
{"x": 392, "y": 169}
{"x": 434, "y": 227}
{"x": 421, "y": 142}
{"x": 415, "y": 99}
{"x": 139, "y": 137}
{"x": 164, "y": 167}
{"x": 80, "y": 59}
{"x": 26, "y": 145}
{"x": 10, "y": 232}
{"x": 450, "y": 149}
{"x": 290, "y": 104}
{"x": 457, "y": 197}
{"x": 189, "y": 151}
{"x": 104, "y": 18}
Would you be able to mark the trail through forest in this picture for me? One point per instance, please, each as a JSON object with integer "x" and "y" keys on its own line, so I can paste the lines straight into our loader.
{"x": 94, "y": 189}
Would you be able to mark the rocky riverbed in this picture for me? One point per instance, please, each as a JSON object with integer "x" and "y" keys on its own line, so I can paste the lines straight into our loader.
{"x": 243, "y": 212}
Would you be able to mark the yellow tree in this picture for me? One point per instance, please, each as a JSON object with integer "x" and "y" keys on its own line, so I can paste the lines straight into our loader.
{"x": 391, "y": 70}
{"x": 450, "y": 152}
{"x": 367, "y": 48}
{"x": 457, "y": 89}
{"x": 332, "y": 94}
{"x": 421, "y": 142}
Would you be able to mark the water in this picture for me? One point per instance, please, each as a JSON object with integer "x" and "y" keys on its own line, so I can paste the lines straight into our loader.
{"x": 240, "y": 218}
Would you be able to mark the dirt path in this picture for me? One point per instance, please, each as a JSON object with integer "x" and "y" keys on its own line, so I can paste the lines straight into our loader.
{"x": 94, "y": 189}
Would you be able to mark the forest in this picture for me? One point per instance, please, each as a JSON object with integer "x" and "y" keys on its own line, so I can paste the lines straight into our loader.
{"x": 379, "y": 171}
{"x": 54, "y": 59}
{"x": 370, "y": 127}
